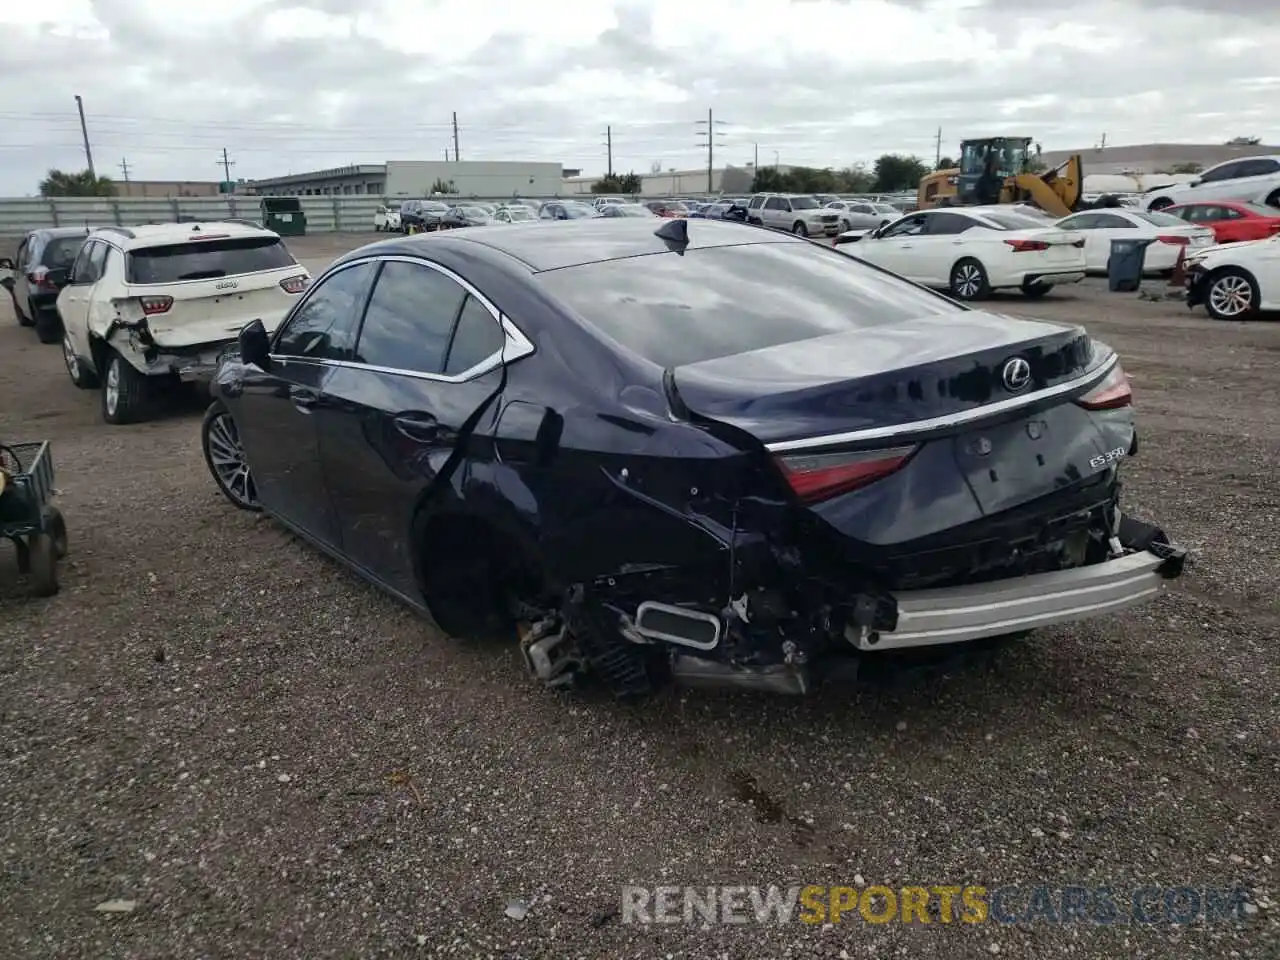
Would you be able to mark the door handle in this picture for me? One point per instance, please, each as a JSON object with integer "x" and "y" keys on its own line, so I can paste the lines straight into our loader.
{"x": 418, "y": 426}
{"x": 304, "y": 399}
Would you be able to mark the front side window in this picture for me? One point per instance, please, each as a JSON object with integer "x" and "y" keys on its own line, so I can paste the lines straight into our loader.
{"x": 324, "y": 325}
{"x": 409, "y": 319}
{"x": 908, "y": 227}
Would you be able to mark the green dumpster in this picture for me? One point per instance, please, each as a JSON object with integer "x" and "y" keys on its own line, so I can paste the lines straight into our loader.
{"x": 284, "y": 215}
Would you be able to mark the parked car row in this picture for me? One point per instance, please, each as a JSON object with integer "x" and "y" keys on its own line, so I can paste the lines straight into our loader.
{"x": 139, "y": 310}
{"x": 1251, "y": 180}
{"x": 648, "y": 449}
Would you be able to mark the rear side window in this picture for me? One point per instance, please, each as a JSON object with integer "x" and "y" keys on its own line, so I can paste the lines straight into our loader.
{"x": 205, "y": 259}
{"x": 717, "y": 302}
{"x": 477, "y": 338}
{"x": 61, "y": 252}
{"x": 409, "y": 319}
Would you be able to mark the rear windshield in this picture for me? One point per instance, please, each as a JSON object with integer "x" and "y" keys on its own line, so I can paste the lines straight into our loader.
{"x": 722, "y": 301}
{"x": 61, "y": 252}
{"x": 1159, "y": 219}
{"x": 1009, "y": 220}
{"x": 205, "y": 259}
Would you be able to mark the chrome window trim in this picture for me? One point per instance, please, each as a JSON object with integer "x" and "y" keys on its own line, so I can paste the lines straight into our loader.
{"x": 516, "y": 347}
{"x": 951, "y": 419}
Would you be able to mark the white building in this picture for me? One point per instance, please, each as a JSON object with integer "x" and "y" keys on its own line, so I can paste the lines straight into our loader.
{"x": 675, "y": 183}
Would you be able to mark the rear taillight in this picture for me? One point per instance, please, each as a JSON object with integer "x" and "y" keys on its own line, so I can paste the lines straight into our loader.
{"x": 1174, "y": 239}
{"x": 820, "y": 476}
{"x": 153, "y": 305}
{"x": 1027, "y": 246}
{"x": 39, "y": 278}
{"x": 295, "y": 284}
{"x": 1110, "y": 394}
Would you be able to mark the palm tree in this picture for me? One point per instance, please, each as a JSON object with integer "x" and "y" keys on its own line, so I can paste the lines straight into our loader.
{"x": 82, "y": 184}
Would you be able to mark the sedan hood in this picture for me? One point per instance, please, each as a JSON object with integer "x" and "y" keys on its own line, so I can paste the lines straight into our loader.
{"x": 882, "y": 376}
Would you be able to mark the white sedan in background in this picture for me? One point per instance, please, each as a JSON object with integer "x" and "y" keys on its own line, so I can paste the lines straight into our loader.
{"x": 1169, "y": 236}
{"x": 864, "y": 214}
{"x": 974, "y": 250}
{"x": 1235, "y": 281}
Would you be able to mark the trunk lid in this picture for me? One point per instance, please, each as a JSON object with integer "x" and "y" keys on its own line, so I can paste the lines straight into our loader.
{"x": 212, "y": 310}
{"x": 880, "y": 377}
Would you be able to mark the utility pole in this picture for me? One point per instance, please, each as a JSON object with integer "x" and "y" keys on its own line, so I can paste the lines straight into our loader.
{"x": 446, "y": 154}
{"x": 456, "y": 154}
{"x": 1101, "y": 146}
{"x": 608, "y": 143}
{"x": 711, "y": 145}
{"x": 756, "y": 162}
{"x": 226, "y": 163}
{"x": 124, "y": 168}
{"x": 84, "y": 132}
{"x": 937, "y": 159}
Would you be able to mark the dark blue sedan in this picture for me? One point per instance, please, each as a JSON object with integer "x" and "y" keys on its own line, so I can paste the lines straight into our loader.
{"x": 686, "y": 449}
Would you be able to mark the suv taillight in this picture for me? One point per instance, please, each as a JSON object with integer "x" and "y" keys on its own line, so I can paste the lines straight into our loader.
{"x": 153, "y": 305}
{"x": 295, "y": 284}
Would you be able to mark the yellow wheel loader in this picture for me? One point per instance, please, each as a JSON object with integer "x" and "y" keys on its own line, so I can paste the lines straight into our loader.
{"x": 995, "y": 170}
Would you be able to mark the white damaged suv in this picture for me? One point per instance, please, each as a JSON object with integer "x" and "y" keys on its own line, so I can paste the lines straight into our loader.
{"x": 156, "y": 304}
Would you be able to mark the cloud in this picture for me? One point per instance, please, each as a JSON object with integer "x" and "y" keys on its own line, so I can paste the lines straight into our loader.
{"x": 295, "y": 85}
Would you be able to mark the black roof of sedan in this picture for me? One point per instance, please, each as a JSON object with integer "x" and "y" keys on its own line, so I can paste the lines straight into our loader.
{"x": 551, "y": 245}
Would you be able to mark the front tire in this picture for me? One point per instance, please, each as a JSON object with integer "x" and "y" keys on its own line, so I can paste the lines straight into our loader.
{"x": 1232, "y": 294}
{"x": 126, "y": 393}
{"x": 225, "y": 457}
{"x": 799, "y": 229}
{"x": 969, "y": 280}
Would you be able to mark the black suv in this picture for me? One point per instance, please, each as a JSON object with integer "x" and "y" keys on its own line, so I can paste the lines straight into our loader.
{"x": 419, "y": 215}
{"x": 40, "y": 269}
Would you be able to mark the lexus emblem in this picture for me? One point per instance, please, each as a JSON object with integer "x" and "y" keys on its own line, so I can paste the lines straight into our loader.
{"x": 1016, "y": 374}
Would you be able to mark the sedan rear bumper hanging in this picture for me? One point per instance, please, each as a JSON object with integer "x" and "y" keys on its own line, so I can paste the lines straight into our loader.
{"x": 975, "y": 611}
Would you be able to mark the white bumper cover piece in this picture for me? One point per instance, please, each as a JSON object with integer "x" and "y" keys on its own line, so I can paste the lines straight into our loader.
{"x": 972, "y": 612}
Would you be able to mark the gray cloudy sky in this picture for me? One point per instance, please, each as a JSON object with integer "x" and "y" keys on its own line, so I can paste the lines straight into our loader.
{"x": 294, "y": 85}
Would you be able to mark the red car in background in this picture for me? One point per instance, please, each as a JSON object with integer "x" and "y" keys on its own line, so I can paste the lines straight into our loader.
{"x": 1231, "y": 222}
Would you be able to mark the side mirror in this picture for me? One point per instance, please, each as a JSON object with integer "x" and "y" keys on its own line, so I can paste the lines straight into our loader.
{"x": 1195, "y": 183}
{"x": 255, "y": 345}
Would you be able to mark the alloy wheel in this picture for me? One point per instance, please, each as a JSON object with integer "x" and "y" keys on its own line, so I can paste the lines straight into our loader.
{"x": 968, "y": 280}
{"x": 70, "y": 359}
{"x": 112, "y": 386}
{"x": 1231, "y": 296}
{"x": 226, "y": 455}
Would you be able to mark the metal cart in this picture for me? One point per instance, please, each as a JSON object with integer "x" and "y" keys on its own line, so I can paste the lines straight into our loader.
{"x": 27, "y": 517}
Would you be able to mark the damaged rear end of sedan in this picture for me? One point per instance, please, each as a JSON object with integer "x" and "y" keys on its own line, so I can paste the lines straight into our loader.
{"x": 843, "y": 467}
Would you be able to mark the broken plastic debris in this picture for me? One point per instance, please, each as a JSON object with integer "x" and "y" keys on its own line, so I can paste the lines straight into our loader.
{"x": 117, "y": 906}
{"x": 517, "y": 909}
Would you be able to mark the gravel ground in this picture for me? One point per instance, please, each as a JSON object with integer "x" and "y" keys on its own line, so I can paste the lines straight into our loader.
{"x": 271, "y": 759}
